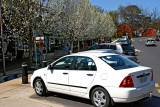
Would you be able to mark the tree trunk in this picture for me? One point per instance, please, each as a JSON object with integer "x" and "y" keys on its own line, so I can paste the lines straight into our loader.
{"x": 83, "y": 44}
{"x": 71, "y": 47}
{"x": 78, "y": 46}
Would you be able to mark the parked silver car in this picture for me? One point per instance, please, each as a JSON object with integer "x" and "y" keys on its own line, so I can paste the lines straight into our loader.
{"x": 119, "y": 47}
{"x": 133, "y": 58}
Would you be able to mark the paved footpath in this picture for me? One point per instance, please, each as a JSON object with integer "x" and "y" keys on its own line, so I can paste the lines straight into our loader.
{"x": 15, "y": 94}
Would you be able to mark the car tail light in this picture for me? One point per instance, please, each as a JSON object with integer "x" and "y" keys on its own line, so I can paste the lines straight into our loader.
{"x": 123, "y": 53}
{"x": 127, "y": 82}
{"x": 152, "y": 76}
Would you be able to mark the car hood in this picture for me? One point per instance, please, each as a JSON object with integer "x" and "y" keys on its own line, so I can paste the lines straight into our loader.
{"x": 40, "y": 71}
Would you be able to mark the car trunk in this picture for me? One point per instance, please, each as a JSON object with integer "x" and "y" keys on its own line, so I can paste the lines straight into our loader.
{"x": 141, "y": 76}
{"x": 133, "y": 58}
{"x": 128, "y": 50}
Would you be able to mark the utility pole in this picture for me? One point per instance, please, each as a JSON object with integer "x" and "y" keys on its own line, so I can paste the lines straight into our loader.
{"x": 2, "y": 42}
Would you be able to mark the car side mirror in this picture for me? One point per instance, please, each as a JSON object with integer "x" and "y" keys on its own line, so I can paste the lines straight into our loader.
{"x": 50, "y": 67}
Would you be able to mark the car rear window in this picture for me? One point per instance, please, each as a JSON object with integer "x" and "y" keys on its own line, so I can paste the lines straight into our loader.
{"x": 126, "y": 47}
{"x": 150, "y": 40}
{"x": 94, "y": 47}
{"x": 113, "y": 47}
{"x": 103, "y": 47}
{"x": 118, "y": 62}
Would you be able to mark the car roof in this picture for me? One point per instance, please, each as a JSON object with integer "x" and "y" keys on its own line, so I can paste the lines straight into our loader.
{"x": 103, "y": 51}
{"x": 113, "y": 43}
{"x": 91, "y": 54}
{"x": 98, "y": 50}
{"x": 122, "y": 40}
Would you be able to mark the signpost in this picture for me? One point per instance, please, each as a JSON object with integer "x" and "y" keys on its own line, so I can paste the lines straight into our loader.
{"x": 2, "y": 41}
{"x": 35, "y": 48}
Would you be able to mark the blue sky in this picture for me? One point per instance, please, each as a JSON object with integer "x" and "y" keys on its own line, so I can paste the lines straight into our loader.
{"x": 108, "y": 5}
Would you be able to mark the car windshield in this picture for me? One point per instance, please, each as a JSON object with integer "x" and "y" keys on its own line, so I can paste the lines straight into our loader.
{"x": 118, "y": 62}
{"x": 150, "y": 40}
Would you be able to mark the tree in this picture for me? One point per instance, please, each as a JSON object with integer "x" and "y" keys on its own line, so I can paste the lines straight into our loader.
{"x": 77, "y": 20}
{"x": 115, "y": 17}
{"x": 130, "y": 14}
{"x": 155, "y": 19}
{"x": 22, "y": 17}
{"x": 99, "y": 9}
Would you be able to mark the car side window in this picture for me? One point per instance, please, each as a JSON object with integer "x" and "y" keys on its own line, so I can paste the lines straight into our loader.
{"x": 64, "y": 63}
{"x": 104, "y": 46}
{"x": 94, "y": 47}
{"x": 113, "y": 47}
{"x": 84, "y": 63}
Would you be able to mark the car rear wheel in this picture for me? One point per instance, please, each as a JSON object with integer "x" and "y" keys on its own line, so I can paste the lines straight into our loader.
{"x": 39, "y": 87}
{"x": 100, "y": 97}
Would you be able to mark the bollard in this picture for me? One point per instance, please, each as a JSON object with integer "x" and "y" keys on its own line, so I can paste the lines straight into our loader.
{"x": 24, "y": 73}
{"x": 44, "y": 63}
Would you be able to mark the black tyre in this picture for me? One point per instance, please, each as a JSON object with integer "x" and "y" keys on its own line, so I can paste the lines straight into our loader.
{"x": 40, "y": 87}
{"x": 100, "y": 97}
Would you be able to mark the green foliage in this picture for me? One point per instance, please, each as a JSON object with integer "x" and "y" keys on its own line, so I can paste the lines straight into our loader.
{"x": 115, "y": 17}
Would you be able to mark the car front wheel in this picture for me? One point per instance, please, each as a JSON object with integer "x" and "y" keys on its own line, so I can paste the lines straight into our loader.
{"x": 100, "y": 98}
{"x": 39, "y": 87}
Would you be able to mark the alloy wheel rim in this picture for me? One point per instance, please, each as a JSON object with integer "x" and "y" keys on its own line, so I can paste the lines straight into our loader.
{"x": 99, "y": 98}
{"x": 39, "y": 87}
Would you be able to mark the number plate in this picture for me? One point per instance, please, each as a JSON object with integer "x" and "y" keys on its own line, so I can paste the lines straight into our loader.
{"x": 130, "y": 53}
{"x": 144, "y": 79}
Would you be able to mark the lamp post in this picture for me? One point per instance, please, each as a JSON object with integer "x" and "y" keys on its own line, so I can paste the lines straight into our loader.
{"x": 3, "y": 56}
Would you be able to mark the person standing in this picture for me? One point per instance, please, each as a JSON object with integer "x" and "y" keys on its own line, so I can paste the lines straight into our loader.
{"x": 67, "y": 47}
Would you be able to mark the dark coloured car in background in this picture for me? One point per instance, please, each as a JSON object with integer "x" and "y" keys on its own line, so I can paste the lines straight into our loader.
{"x": 128, "y": 49}
{"x": 157, "y": 38}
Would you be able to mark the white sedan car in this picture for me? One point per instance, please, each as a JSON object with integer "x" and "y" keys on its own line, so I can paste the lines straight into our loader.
{"x": 150, "y": 42}
{"x": 105, "y": 78}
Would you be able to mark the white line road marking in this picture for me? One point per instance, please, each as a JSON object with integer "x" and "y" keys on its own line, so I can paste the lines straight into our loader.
{"x": 156, "y": 85}
{"x": 136, "y": 50}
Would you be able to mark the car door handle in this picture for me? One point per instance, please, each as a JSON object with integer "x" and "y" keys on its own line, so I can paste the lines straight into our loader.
{"x": 90, "y": 74}
{"x": 65, "y": 73}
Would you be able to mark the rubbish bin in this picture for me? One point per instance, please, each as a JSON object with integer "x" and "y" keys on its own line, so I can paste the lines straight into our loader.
{"x": 44, "y": 63}
{"x": 20, "y": 54}
{"x": 24, "y": 73}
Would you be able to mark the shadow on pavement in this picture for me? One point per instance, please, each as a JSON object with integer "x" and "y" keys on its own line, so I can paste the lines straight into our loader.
{"x": 11, "y": 77}
{"x": 63, "y": 99}
{"x": 153, "y": 102}
{"x": 71, "y": 100}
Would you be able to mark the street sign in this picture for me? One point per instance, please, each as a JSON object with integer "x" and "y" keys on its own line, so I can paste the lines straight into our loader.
{"x": 35, "y": 33}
